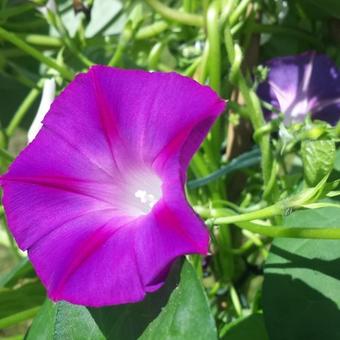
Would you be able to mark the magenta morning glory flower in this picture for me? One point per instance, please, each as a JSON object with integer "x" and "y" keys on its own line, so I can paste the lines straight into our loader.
{"x": 98, "y": 197}
{"x": 300, "y": 85}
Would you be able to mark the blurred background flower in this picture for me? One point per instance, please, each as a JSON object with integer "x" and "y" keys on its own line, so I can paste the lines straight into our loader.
{"x": 303, "y": 85}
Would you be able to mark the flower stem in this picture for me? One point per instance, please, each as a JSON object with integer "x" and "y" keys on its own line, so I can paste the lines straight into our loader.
{"x": 175, "y": 15}
{"x": 43, "y": 40}
{"x": 267, "y": 212}
{"x": 11, "y": 240}
{"x": 23, "y": 108}
{"x": 241, "y": 7}
{"x": 214, "y": 46}
{"x": 152, "y": 30}
{"x": 256, "y": 115}
{"x": 15, "y": 40}
{"x": 58, "y": 24}
{"x": 292, "y": 232}
{"x": 214, "y": 68}
{"x": 327, "y": 233}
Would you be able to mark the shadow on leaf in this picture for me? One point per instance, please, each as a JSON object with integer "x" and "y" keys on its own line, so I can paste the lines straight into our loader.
{"x": 327, "y": 267}
{"x": 295, "y": 311}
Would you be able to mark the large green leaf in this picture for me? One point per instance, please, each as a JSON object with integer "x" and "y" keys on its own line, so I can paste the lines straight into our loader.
{"x": 186, "y": 316}
{"x": 301, "y": 293}
{"x": 249, "y": 328}
{"x": 64, "y": 321}
{"x": 43, "y": 325}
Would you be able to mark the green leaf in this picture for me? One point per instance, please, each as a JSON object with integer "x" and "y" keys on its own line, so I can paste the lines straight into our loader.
{"x": 243, "y": 161}
{"x": 23, "y": 270}
{"x": 251, "y": 327}
{"x": 43, "y": 326}
{"x": 186, "y": 316}
{"x": 318, "y": 159}
{"x": 15, "y": 300}
{"x": 64, "y": 321}
{"x": 301, "y": 293}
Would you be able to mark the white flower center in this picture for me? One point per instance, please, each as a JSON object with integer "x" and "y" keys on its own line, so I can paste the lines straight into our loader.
{"x": 146, "y": 199}
{"x": 142, "y": 191}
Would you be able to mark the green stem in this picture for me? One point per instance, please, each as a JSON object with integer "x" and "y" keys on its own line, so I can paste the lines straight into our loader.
{"x": 175, "y": 15}
{"x": 240, "y": 221}
{"x": 255, "y": 112}
{"x": 214, "y": 139}
{"x": 43, "y": 40}
{"x": 117, "y": 56}
{"x": 267, "y": 212}
{"x": 258, "y": 121}
{"x": 60, "y": 27}
{"x": 246, "y": 247}
{"x": 189, "y": 72}
{"x": 241, "y": 7}
{"x": 292, "y": 232}
{"x": 236, "y": 301}
{"x": 214, "y": 46}
{"x": 18, "y": 317}
{"x": 122, "y": 44}
{"x": 12, "y": 38}
{"x": 23, "y": 108}
{"x": 152, "y": 30}
{"x": 155, "y": 55}
{"x": 12, "y": 243}
{"x": 203, "y": 68}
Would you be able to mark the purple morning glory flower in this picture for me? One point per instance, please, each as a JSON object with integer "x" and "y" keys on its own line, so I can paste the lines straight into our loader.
{"x": 98, "y": 197}
{"x": 303, "y": 84}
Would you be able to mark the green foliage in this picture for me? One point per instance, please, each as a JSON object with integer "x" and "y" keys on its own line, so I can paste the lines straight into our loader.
{"x": 15, "y": 300}
{"x": 185, "y": 316}
{"x": 251, "y": 180}
{"x": 251, "y": 327}
{"x": 318, "y": 159}
{"x": 64, "y": 321}
{"x": 301, "y": 290}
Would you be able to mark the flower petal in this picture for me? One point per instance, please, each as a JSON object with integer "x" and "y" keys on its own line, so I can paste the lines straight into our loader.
{"x": 93, "y": 262}
{"x": 103, "y": 176}
{"x": 47, "y": 97}
{"x": 302, "y": 84}
{"x": 164, "y": 108}
{"x": 48, "y": 185}
{"x": 171, "y": 230}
